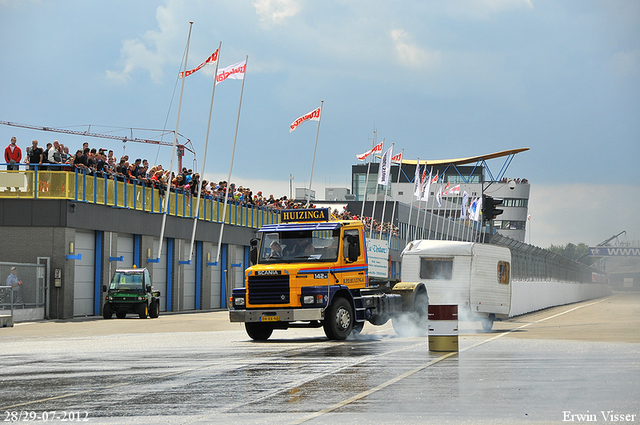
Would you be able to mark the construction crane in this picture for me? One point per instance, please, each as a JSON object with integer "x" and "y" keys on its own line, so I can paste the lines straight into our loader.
{"x": 181, "y": 147}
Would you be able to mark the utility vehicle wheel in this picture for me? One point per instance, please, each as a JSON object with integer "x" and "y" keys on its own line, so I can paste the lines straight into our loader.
{"x": 154, "y": 309}
{"x": 121, "y": 314}
{"x": 338, "y": 320}
{"x": 143, "y": 311}
{"x": 107, "y": 313}
{"x": 487, "y": 322}
{"x": 258, "y": 331}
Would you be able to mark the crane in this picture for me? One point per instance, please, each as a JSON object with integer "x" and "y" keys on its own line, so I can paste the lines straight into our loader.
{"x": 180, "y": 146}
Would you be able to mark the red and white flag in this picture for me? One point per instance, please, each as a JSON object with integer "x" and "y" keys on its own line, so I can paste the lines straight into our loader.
{"x": 455, "y": 189}
{"x": 235, "y": 72}
{"x": 211, "y": 60}
{"x": 311, "y": 116}
{"x": 397, "y": 158}
{"x": 376, "y": 148}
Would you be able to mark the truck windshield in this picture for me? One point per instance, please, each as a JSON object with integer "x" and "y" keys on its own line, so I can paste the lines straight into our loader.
{"x": 127, "y": 280}
{"x": 297, "y": 246}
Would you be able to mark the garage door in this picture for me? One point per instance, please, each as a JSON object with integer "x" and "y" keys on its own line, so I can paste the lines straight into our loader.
{"x": 159, "y": 273}
{"x": 84, "y": 272}
{"x": 125, "y": 250}
{"x": 216, "y": 281}
{"x": 189, "y": 285}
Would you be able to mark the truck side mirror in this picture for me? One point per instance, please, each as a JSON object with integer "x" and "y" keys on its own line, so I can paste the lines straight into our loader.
{"x": 148, "y": 288}
{"x": 253, "y": 251}
{"x": 104, "y": 288}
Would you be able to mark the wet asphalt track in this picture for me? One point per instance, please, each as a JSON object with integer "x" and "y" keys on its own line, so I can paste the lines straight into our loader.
{"x": 581, "y": 359}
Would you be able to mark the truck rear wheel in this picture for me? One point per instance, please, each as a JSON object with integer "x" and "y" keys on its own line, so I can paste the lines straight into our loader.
{"x": 258, "y": 331}
{"x": 414, "y": 322}
{"x": 107, "y": 313}
{"x": 338, "y": 321}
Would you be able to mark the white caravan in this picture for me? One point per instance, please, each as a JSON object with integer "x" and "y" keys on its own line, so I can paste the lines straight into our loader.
{"x": 473, "y": 275}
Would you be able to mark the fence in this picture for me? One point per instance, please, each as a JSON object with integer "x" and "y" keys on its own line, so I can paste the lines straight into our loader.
{"x": 30, "y": 294}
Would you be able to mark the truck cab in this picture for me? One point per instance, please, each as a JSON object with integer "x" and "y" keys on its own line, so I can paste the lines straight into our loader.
{"x": 310, "y": 271}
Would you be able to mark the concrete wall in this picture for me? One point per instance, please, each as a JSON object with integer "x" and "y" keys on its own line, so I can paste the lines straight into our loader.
{"x": 528, "y": 296}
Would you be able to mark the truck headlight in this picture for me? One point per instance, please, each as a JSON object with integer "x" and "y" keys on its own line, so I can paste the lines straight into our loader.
{"x": 308, "y": 299}
{"x": 238, "y": 301}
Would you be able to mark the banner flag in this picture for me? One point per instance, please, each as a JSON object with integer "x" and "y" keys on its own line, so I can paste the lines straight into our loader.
{"x": 416, "y": 181}
{"x": 313, "y": 116}
{"x": 439, "y": 197}
{"x": 426, "y": 187}
{"x": 235, "y": 72}
{"x": 397, "y": 158}
{"x": 210, "y": 61}
{"x": 376, "y": 148}
{"x": 385, "y": 167}
{"x": 463, "y": 207}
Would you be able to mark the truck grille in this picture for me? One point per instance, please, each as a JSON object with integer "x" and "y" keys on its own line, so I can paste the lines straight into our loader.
{"x": 268, "y": 289}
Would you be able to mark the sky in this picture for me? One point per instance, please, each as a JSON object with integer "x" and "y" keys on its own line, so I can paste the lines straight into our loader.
{"x": 437, "y": 79}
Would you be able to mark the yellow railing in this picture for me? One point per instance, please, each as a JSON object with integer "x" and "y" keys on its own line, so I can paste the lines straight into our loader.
{"x": 98, "y": 190}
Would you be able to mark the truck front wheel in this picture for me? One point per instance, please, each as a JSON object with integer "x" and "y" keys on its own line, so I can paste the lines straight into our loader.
{"x": 258, "y": 331}
{"x": 338, "y": 320}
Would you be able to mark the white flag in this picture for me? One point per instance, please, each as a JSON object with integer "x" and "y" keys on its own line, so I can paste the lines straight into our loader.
{"x": 464, "y": 208}
{"x": 385, "y": 167}
{"x": 311, "y": 116}
{"x": 426, "y": 187}
{"x": 439, "y": 197}
{"x": 416, "y": 181}
{"x": 235, "y": 72}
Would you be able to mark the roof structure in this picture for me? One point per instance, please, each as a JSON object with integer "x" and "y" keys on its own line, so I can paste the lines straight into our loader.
{"x": 468, "y": 160}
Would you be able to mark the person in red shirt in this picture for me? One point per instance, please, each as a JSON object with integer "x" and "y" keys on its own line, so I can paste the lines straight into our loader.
{"x": 12, "y": 155}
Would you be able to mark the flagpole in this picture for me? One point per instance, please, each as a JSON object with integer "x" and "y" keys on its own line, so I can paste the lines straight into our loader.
{"x": 175, "y": 143}
{"x": 204, "y": 159}
{"x": 431, "y": 218}
{"x": 314, "y": 154}
{"x": 373, "y": 210}
{"x": 366, "y": 183}
{"x": 395, "y": 199}
{"x": 386, "y": 191}
{"x": 411, "y": 203}
{"x": 233, "y": 151}
{"x": 426, "y": 206}
{"x": 426, "y": 197}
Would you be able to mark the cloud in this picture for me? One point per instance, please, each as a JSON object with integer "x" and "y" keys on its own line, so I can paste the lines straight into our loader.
{"x": 411, "y": 55}
{"x": 154, "y": 51}
{"x": 276, "y": 11}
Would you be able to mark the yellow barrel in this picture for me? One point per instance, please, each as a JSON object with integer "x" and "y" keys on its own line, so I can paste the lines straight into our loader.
{"x": 443, "y": 327}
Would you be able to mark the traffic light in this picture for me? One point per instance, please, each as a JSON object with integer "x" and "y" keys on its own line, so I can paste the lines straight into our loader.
{"x": 489, "y": 210}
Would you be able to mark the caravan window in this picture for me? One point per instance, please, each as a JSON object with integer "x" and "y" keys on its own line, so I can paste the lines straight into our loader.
{"x": 436, "y": 268}
{"x": 503, "y": 272}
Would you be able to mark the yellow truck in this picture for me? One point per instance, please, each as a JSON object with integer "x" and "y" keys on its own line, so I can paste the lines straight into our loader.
{"x": 311, "y": 270}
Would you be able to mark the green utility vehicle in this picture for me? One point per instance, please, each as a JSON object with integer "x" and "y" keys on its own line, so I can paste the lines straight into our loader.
{"x": 130, "y": 291}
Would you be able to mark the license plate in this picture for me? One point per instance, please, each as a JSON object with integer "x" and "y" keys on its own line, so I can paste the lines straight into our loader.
{"x": 270, "y": 318}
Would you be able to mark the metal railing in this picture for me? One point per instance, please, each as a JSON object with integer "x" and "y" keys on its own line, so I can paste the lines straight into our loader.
{"x": 55, "y": 182}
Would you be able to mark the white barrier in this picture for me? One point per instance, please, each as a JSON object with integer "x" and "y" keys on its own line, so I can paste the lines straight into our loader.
{"x": 528, "y": 296}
